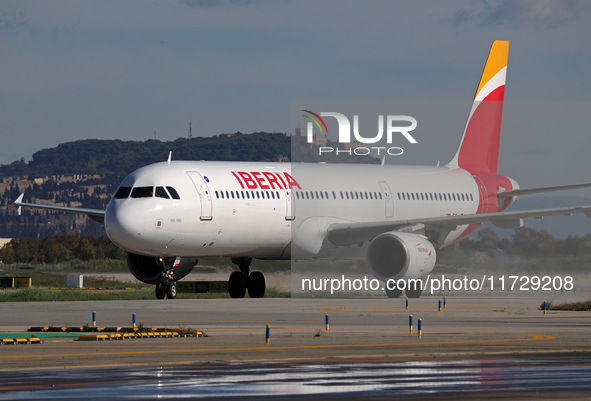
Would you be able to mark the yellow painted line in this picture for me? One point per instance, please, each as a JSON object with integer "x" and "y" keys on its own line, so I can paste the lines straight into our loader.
{"x": 532, "y": 337}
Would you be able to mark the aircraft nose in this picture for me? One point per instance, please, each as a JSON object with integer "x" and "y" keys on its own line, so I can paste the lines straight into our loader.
{"x": 124, "y": 224}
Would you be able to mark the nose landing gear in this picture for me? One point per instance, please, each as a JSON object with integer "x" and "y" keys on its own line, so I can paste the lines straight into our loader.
{"x": 242, "y": 280}
{"x": 166, "y": 290}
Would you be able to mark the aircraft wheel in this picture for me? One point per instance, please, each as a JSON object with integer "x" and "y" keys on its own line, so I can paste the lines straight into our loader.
{"x": 160, "y": 290}
{"x": 237, "y": 285}
{"x": 171, "y": 290}
{"x": 256, "y": 285}
{"x": 395, "y": 293}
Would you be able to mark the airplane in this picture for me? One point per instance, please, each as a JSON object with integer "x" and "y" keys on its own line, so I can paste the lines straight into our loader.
{"x": 168, "y": 215}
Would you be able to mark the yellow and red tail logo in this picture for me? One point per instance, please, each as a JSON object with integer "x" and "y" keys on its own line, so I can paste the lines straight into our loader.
{"x": 479, "y": 149}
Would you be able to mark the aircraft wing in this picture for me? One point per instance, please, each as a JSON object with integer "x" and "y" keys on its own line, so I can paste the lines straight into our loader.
{"x": 344, "y": 234}
{"x": 95, "y": 215}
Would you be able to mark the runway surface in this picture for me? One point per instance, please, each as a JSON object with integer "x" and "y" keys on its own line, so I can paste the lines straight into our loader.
{"x": 499, "y": 343}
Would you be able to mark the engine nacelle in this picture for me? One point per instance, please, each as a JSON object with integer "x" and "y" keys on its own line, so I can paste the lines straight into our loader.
{"x": 151, "y": 269}
{"x": 399, "y": 255}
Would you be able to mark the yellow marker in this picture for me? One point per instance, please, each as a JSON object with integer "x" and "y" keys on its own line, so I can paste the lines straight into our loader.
{"x": 268, "y": 334}
{"x": 410, "y": 323}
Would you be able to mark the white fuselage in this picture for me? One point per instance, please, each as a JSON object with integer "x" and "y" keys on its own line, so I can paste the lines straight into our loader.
{"x": 263, "y": 210}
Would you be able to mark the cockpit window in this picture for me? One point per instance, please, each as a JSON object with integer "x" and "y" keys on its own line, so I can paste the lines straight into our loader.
{"x": 161, "y": 193}
{"x": 142, "y": 192}
{"x": 123, "y": 192}
{"x": 173, "y": 193}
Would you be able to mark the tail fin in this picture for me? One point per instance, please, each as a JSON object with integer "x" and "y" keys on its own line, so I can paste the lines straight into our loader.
{"x": 479, "y": 148}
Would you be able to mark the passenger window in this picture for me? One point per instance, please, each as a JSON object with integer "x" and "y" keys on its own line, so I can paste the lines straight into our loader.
{"x": 380, "y": 195}
{"x": 142, "y": 192}
{"x": 123, "y": 192}
{"x": 422, "y": 196}
{"x": 347, "y": 193}
{"x": 217, "y": 195}
{"x": 161, "y": 193}
{"x": 232, "y": 192}
{"x": 334, "y": 196}
{"x": 342, "y": 197}
{"x": 471, "y": 198}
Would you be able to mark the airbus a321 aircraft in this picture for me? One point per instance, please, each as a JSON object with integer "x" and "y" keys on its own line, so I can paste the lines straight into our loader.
{"x": 167, "y": 215}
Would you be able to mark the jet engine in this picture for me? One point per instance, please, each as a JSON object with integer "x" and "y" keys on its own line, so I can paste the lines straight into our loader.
{"x": 399, "y": 255}
{"x": 154, "y": 270}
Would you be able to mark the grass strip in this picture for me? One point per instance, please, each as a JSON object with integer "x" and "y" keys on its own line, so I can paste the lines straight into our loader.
{"x": 569, "y": 306}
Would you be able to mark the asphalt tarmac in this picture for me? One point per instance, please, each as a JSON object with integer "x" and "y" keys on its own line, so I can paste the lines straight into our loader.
{"x": 495, "y": 342}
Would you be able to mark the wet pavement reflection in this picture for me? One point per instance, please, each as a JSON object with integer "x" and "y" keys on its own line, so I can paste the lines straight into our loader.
{"x": 301, "y": 380}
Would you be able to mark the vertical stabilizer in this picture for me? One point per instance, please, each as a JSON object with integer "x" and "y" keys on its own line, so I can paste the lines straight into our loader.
{"x": 479, "y": 148}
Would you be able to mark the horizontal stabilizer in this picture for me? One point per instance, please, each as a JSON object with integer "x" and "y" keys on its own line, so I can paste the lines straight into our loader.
{"x": 531, "y": 191}
{"x": 95, "y": 215}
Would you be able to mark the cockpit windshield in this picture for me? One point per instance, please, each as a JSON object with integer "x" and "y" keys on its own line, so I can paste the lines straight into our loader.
{"x": 142, "y": 192}
{"x": 147, "y": 192}
{"x": 161, "y": 193}
{"x": 123, "y": 192}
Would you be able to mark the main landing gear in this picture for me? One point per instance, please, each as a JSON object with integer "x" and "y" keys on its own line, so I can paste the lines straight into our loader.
{"x": 242, "y": 280}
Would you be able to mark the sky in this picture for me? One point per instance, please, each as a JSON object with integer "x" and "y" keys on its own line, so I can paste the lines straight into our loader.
{"x": 132, "y": 69}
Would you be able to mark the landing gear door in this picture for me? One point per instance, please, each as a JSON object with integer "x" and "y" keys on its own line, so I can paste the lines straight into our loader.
{"x": 387, "y": 198}
{"x": 289, "y": 212}
{"x": 204, "y": 194}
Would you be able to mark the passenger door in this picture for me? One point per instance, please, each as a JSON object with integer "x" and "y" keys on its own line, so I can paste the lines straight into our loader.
{"x": 389, "y": 202}
{"x": 204, "y": 194}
